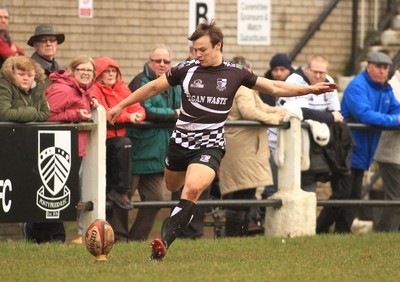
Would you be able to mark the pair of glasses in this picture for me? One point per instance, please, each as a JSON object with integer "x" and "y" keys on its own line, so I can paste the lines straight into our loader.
{"x": 45, "y": 40}
{"x": 84, "y": 70}
{"x": 110, "y": 71}
{"x": 159, "y": 61}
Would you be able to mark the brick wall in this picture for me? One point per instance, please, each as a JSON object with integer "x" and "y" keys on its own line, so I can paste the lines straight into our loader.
{"x": 127, "y": 29}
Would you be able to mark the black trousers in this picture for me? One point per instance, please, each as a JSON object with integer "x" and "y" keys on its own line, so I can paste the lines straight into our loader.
{"x": 343, "y": 187}
{"x": 388, "y": 219}
{"x": 118, "y": 164}
{"x": 42, "y": 232}
{"x": 238, "y": 218}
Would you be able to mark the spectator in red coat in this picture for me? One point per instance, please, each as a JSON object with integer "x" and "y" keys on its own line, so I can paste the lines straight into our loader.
{"x": 110, "y": 89}
{"x": 7, "y": 47}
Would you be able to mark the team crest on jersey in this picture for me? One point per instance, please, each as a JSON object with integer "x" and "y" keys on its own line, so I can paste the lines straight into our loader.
{"x": 198, "y": 83}
{"x": 221, "y": 84}
{"x": 205, "y": 158}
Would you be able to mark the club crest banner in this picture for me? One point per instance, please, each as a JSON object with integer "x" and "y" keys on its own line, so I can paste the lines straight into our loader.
{"x": 54, "y": 163}
{"x": 39, "y": 173}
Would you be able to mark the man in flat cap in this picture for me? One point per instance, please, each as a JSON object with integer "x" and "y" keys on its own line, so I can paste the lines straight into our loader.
{"x": 45, "y": 41}
{"x": 368, "y": 99}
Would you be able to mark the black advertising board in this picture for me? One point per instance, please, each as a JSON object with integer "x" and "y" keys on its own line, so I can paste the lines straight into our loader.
{"x": 39, "y": 173}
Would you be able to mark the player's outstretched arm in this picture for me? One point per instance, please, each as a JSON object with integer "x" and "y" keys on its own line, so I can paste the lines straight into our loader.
{"x": 283, "y": 89}
{"x": 143, "y": 93}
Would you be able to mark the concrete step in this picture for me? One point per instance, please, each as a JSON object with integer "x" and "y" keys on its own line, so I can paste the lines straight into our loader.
{"x": 390, "y": 37}
{"x": 343, "y": 81}
{"x": 391, "y": 51}
{"x": 396, "y": 23}
{"x": 363, "y": 64}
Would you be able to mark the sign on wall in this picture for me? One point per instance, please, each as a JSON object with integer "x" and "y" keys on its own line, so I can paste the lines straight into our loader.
{"x": 86, "y": 8}
{"x": 39, "y": 173}
{"x": 254, "y": 22}
{"x": 200, "y": 10}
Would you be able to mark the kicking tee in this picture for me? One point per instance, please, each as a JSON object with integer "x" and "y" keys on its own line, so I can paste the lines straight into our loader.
{"x": 207, "y": 98}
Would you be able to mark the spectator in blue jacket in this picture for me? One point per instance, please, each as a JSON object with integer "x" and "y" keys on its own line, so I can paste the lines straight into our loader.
{"x": 368, "y": 99}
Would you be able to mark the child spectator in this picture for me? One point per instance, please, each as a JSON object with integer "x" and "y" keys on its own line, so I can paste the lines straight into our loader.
{"x": 22, "y": 96}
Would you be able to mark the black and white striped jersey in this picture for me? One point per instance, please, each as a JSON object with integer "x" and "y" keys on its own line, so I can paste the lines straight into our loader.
{"x": 207, "y": 98}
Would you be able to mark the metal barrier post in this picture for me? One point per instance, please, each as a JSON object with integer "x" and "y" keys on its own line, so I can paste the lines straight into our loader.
{"x": 297, "y": 216}
{"x": 94, "y": 170}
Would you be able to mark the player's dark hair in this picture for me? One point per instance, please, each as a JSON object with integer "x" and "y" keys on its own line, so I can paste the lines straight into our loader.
{"x": 210, "y": 29}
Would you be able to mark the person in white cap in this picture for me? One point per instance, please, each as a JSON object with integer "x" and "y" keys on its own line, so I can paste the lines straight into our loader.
{"x": 368, "y": 99}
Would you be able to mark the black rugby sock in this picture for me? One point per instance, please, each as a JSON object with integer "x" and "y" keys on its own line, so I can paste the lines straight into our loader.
{"x": 180, "y": 218}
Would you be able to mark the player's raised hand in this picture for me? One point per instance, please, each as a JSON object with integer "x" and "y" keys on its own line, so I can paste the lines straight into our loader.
{"x": 323, "y": 87}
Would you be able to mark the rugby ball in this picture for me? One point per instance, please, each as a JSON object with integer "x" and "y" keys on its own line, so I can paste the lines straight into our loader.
{"x": 99, "y": 239}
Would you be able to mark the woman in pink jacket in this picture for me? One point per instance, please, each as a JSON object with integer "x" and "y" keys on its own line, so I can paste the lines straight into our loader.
{"x": 68, "y": 95}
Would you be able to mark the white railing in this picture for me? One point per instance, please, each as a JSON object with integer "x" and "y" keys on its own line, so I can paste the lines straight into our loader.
{"x": 290, "y": 212}
{"x": 94, "y": 170}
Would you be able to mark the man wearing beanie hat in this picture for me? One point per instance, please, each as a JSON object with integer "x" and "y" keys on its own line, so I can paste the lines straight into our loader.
{"x": 280, "y": 68}
{"x": 45, "y": 41}
{"x": 368, "y": 99}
